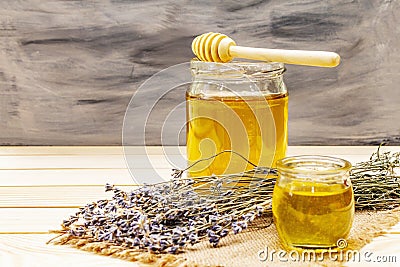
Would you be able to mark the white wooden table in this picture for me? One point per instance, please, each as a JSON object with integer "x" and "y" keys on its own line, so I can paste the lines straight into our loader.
{"x": 41, "y": 186}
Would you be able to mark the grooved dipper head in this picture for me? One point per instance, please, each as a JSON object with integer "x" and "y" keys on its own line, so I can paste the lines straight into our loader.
{"x": 212, "y": 47}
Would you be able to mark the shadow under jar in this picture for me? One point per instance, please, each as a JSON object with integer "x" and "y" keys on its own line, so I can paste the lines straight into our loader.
{"x": 313, "y": 201}
{"x": 238, "y": 106}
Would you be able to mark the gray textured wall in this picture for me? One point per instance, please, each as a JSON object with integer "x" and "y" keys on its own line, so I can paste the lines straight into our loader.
{"x": 69, "y": 68}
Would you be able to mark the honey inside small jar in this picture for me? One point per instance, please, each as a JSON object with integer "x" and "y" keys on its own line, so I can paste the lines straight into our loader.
{"x": 313, "y": 201}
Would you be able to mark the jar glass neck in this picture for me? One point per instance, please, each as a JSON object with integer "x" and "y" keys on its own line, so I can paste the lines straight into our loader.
{"x": 237, "y": 76}
{"x": 237, "y": 69}
{"x": 314, "y": 168}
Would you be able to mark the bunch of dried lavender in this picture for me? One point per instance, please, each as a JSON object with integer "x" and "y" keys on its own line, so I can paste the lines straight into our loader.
{"x": 168, "y": 216}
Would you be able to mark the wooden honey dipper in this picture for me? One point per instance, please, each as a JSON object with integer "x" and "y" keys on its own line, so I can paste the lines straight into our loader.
{"x": 217, "y": 47}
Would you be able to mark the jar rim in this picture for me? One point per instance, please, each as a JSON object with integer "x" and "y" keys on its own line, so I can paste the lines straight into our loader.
{"x": 302, "y": 165}
{"x": 236, "y": 65}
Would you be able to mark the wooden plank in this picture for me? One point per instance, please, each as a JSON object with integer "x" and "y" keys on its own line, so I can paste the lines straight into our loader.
{"x": 57, "y": 196}
{"x": 87, "y": 150}
{"x": 31, "y": 250}
{"x": 364, "y": 151}
{"x": 43, "y": 170}
{"x": 173, "y": 150}
{"x": 60, "y": 150}
{"x": 75, "y": 176}
{"x": 87, "y": 162}
{"x": 53, "y": 196}
{"x": 158, "y": 159}
{"x": 62, "y": 162}
{"x": 33, "y": 220}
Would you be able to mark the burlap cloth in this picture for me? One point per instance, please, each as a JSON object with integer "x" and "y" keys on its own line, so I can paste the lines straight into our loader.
{"x": 243, "y": 249}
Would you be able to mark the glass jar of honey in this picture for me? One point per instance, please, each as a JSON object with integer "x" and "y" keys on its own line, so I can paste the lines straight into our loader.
{"x": 313, "y": 202}
{"x": 237, "y": 106}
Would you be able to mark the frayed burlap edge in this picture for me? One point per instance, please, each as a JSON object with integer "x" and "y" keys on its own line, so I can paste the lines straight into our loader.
{"x": 120, "y": 252}
{"x": 365, "y": 235}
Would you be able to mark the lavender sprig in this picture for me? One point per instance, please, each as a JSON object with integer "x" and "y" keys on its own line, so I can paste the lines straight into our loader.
{"x": 376, "y": 182}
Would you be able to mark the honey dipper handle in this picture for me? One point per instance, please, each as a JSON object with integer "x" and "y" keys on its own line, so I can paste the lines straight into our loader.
{"x": 298, "y": 57}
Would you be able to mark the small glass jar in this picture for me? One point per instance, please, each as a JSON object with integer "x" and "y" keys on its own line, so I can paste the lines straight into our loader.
{"x": 313, "y": 202}
{"x": 239, "y": 106}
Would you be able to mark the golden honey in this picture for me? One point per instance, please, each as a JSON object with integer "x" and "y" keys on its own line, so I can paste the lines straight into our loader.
{"x": 313, "y": 202}
{"x": 254, "y": 126}
{"x": 313, "y": 215}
